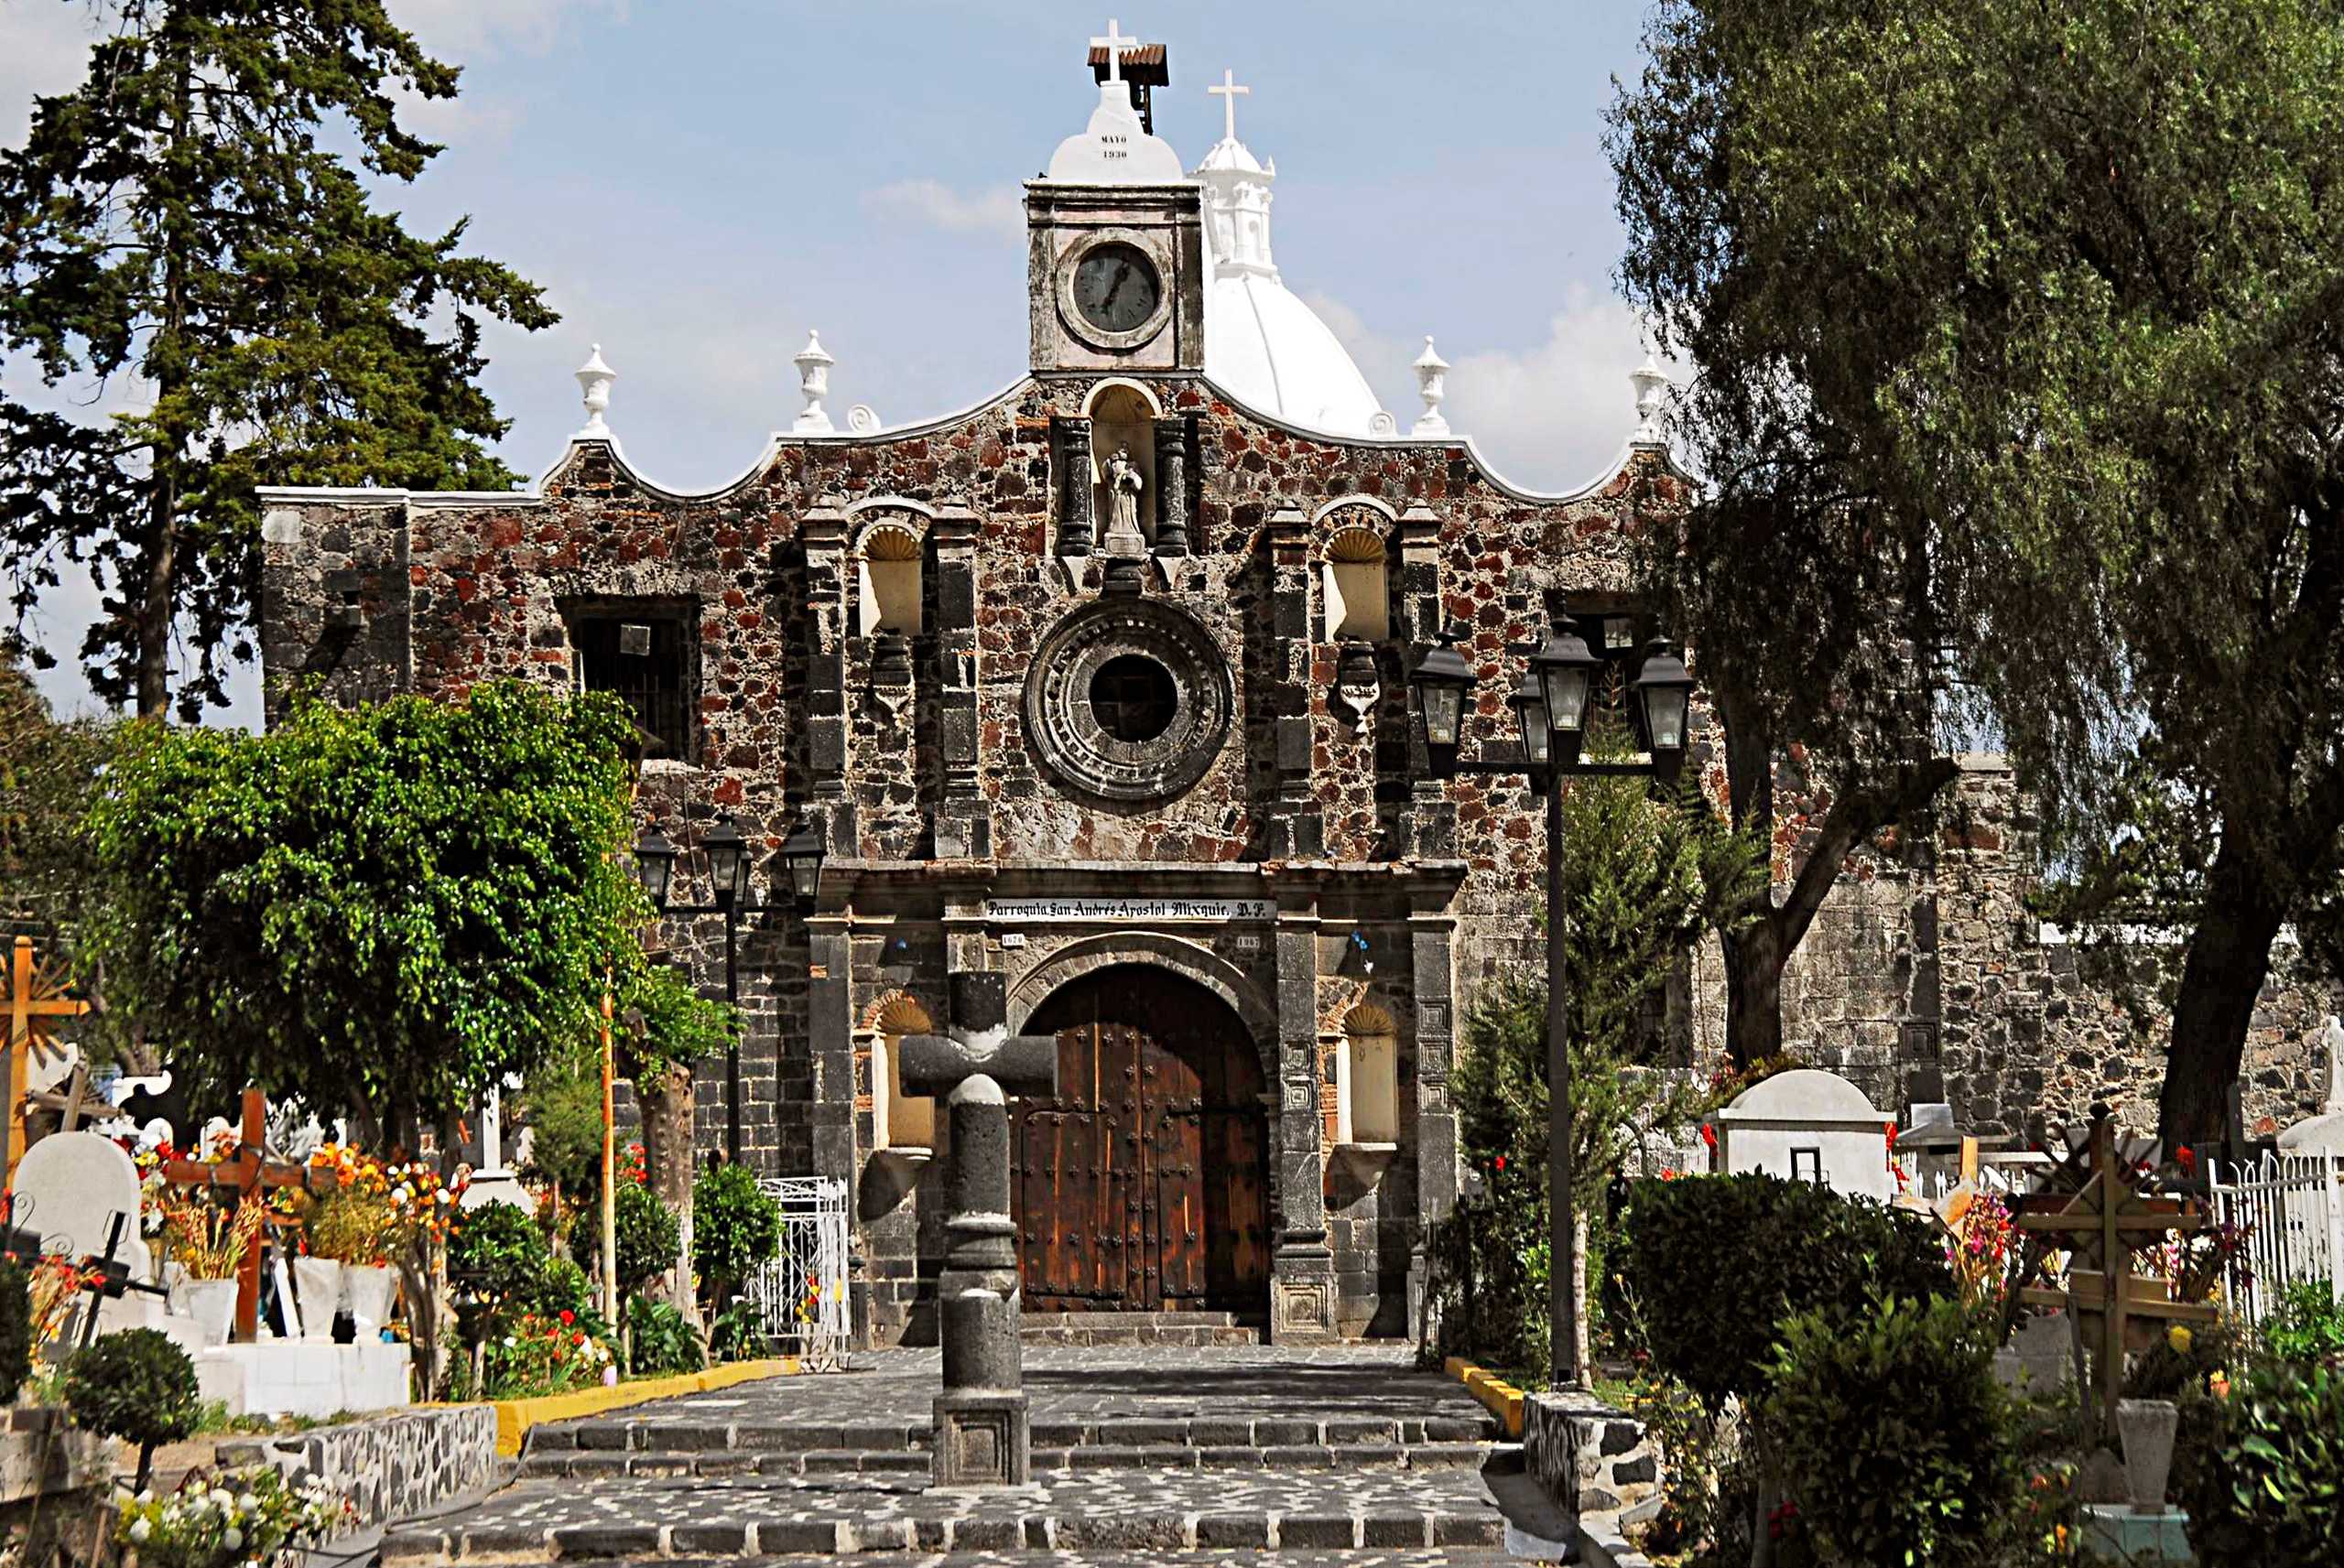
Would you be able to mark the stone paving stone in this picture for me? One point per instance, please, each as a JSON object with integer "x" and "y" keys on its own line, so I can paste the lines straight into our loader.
{"x": 1317, "y": 1529}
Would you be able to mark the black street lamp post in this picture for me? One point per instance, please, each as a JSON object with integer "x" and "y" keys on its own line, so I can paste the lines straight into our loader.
{"x": 1550, "y": 708}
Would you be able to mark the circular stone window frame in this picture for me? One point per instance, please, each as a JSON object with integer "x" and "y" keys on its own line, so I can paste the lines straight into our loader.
{"x": 1158, "y": 253}
{"x": 1079, "y": 750}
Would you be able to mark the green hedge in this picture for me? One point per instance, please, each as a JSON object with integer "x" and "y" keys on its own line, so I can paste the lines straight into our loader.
{"x": 1714, "y": 1263}
{"x": 2274, "y": 1491}
{"x": 1889, "y": 1432}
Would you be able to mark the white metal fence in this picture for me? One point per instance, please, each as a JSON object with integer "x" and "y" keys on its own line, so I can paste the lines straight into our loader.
{"x": 802, "y": 1293}
{"x": 2290, "y": 1210}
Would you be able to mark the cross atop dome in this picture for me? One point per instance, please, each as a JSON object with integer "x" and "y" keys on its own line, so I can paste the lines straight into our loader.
{"x": 1228, "y": 92}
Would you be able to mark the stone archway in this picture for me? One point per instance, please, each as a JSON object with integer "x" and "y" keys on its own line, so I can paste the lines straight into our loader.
{"x": 1143, "y": 1184}
{"x": 1190, "y": 960}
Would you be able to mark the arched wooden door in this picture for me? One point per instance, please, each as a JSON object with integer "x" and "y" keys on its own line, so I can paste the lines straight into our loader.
{"x": 1141, "y": 1187}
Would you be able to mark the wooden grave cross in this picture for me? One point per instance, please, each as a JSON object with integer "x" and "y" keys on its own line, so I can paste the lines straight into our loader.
{"x": 250, "y": 1174}
{"x": 36, "y": 1000}
{"x": 2107, "y": 1220}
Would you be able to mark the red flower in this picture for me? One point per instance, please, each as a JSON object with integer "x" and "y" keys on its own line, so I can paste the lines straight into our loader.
{"x": 1499, "y": 1161}
{"x": 2187, "y": 1156}
{"x": 568, "y": 1317}
{"x": 1710, "y": 1134}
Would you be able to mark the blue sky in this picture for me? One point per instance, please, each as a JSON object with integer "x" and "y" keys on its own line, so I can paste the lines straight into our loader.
{"x": 698, "y": 183}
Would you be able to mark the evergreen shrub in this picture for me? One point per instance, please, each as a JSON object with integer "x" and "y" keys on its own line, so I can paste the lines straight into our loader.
{"x": 1888, "y": 1429}
{"x": 1715, "y": 1263}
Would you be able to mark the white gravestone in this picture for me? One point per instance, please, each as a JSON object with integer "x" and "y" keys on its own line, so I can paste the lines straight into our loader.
{"x": 77, "y": 1182}
{"x": 1808, "y": 1125}
{"x": 2324, "y": 1133}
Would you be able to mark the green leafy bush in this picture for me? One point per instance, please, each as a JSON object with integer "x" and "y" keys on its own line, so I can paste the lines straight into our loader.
{"x": 500, "y": 1265}
{"x": 2274, "y": 1491}
{"x": 2308, "y": 1324}
{"x": 1714, "y": 1263}
{"x": 540, "y": 1353}
{"x": 736, "y": 1229}
{"x": 647, "y": 1235}
{"x": 137, "y": 1385}
{"x": 1888, "y": 1431}
{"x": 16, "y": 1328}
{"x": 738, "y": 1333}
{"x": 659, "y": 1339}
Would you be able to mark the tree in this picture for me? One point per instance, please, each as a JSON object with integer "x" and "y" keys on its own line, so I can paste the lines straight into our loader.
{"x": 49, "y": 772}
{"x": 2062, "y": 284}
{"x": 669, "y": 1027}
{"x": 1642, "y": 880}
{"x": 388, "y": 908}
{"x": 174, "y": 223}
{"x": 1794, "y": 564}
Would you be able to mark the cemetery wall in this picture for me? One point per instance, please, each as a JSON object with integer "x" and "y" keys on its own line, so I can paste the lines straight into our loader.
{"x": 395, "y": 1467}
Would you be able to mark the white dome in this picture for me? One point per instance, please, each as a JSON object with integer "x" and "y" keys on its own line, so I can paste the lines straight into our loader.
{"x": 1271, "y": 351}
{"x": 1263, "y": 346}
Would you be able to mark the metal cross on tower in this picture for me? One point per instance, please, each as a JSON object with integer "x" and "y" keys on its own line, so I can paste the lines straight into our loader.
{"x": 1229, "y": 92}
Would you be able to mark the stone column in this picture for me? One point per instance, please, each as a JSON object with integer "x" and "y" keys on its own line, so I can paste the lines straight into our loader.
{"x": 1429, "y": 831}
{"x": 1429, "y": 937}
{"x": 1297, "y": 830}
{"x": 963, "y": 818}
{"x": 981, "y": 1436}
{"x": 1302, "y": 1265}
{"x": 1076, "y": 529}
{"x": 1172, "y": 485}
{"x": 823, "y": 531}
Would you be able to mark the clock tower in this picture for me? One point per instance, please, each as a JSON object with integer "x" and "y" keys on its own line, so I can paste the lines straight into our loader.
{"x": 1115, "y": 246}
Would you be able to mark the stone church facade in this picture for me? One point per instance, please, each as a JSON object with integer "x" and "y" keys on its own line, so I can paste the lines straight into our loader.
{"x": 1102, "y": 685}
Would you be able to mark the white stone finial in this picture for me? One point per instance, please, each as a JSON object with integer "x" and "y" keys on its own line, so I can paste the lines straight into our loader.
{"x": 594, "y": 380}
{"x": 1652, "y": 399}
{"x": 1432, "y": 385}
{"x": 813, "y": 362}
{"x": 1112, "y": 43}
{"x": 2333, "y": 1038}
{"x": 1229, "y": 92}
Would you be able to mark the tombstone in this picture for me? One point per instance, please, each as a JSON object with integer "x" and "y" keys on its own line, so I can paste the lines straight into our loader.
{"x": 76, "y": 1183}
{"x": 492, "y": 1180}
{"x": 1810, "y": 1126}
{"x": 2324, "y": 1133}
{"x": 981, "y": 1434}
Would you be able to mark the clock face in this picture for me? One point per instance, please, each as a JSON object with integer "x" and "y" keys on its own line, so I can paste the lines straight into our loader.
{"x": 1116, "y": 288}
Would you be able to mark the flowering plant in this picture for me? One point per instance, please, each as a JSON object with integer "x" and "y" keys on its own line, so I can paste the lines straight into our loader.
{"x": 539, "y": 1354}
{"x": 209, "y": 1239}
{"x": 56, "y": 1283}
{"x": 368, "y": 1211}
{"x": 232, "y": 1518}
{"x": 1977, "y": 1245}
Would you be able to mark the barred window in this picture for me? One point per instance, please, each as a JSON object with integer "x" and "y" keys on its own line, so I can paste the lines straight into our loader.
{"x": 643, "y": 654}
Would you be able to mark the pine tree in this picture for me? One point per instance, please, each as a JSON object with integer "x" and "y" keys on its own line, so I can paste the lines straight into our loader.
{"x": 174, "y": 225}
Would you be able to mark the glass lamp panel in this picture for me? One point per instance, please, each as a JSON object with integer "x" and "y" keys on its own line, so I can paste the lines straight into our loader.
{"x": 1564, "y": 688}
{"x": 1444, "y": 707}
{"x": 1530, "y": 714}
{"x": 1665, "y": 717}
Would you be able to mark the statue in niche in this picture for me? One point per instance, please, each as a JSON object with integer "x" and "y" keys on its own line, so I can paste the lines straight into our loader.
{"x": 1124, "y": 485}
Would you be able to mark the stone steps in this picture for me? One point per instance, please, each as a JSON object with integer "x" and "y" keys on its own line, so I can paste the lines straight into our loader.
{"x": 1301, "y": 1430}
{"x": 607, "y": 1463}
{"x": 1042, "y": 1525}
{"x": 1193, "y": 1329}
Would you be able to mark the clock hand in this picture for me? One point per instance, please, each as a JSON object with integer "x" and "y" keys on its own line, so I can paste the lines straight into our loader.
{"x": 1122, "y": 271}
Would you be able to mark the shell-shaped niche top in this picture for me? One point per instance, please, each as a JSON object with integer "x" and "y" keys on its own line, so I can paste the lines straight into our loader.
{"x": 891, "y": 541}
{"x": 1355, "y": 545}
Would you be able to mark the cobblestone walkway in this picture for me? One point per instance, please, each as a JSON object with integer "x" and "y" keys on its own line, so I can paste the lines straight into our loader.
{"x": 1348, "y": 1455}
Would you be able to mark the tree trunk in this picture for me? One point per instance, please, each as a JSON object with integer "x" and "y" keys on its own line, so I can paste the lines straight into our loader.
{"x": 1578, "y": 1294}
{"x": 1754, "y": 990}
{"x": 667, "y": 1106}
{"x": 2229, "y": 956}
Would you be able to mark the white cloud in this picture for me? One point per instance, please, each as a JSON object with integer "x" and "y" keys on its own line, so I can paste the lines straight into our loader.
{"x": 1551, "y": 416}
{"x": 995, "y": 210}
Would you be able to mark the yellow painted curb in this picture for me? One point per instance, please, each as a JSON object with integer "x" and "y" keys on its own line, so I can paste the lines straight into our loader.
{"x": 1501, "y": 1398}
{"x": 515, "y": 1417}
